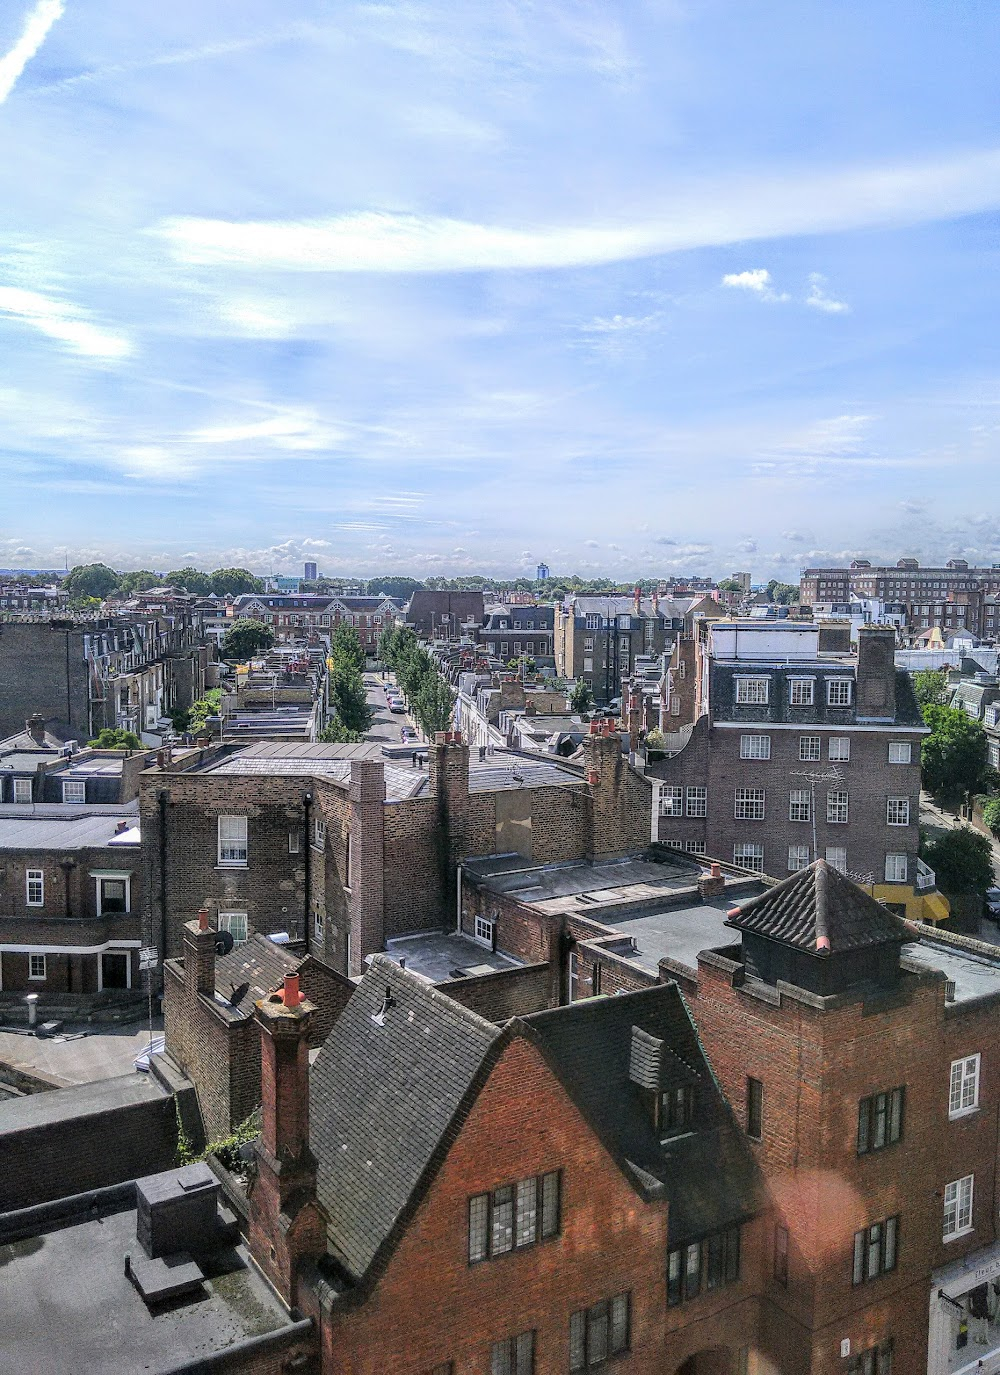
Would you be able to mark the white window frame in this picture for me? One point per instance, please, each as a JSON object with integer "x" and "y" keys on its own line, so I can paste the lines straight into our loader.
{"x": 801, "y": 692}
{"x": 896, "y": 868}
{"x": 318, "y": 924}
{"x": 958, "y": 1197}
{"x": 318, "y": 838}
{"x": 748, "y": 804}
{"x": 697, "y": 800}
{"x": 843, "y": 750}
{"x": 837, "y": 687}
{"x": 810, "y": 749}
{"x": 900, "y": 752}
{"x": 231, "y": 843}
{"x": 897, "y": 811}
{"x": 671, "y": 800}
{"x": 293, "y": 842}
{"x": 22, "y": 786}
{"x": 755, "y": 747}
{"x": 798, "y": 858}
{"x": 753, "y": 692}
{"x": 242, "y": 924}
{"x": 838, "y": 807}
{"x": 800, "y": 804}
{"x": 483, "y": 931}
{"x": 34, "y": 879}
{"x": 77, "y": 785}
{"x": 963, "y": 1086}
{"x": 750, "y": 855}
{"x": 836, "y": 857}
{"x": 101, "y": 879}
{"x": 38, "y": 978}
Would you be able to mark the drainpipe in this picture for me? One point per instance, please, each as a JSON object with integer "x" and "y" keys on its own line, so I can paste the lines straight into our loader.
{"x": 307, "y": 799}
{"x": 162, "y": 799}
{"x": 458, "y": 913}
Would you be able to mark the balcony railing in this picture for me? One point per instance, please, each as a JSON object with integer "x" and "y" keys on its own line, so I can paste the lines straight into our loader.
{"x": 926, "y": 879}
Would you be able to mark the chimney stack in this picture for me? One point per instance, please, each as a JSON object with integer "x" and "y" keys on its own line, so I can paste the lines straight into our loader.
{"x": 35, "y": 726}
{"x": 712, "y": 884}
{"x": 876, "y": 673}
{"x": 199, "y": 955}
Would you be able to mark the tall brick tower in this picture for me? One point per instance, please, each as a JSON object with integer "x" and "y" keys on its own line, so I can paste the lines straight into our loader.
{"x": 287, "y": 1225}
{"x": 816, "y": 1031}
{"x": 366, "y": 878}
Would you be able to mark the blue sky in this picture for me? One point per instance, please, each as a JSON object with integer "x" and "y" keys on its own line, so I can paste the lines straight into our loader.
{"x": 632, "y": 287}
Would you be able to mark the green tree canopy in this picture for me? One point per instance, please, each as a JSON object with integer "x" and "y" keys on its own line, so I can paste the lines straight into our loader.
{"x": 139, "y": 581}
{"x": 962, "y": 861}
{"x": 731, "y": 585}
{"x": 784, "y": 593}
{"x": 232, "y": 582}
{"x": 191, "y": 579}
{"x": 246, "y": 637}
{"x": 930, "y": 686}
{"x": 346, "y": 647}
{"x": 91, "y": 580}
{"x": 991, "y": 815}
{"x": 433, "y": 704}
{"x": 348, "y": 700}
{"x": 336, "y": 733}
{"x": 954, "y": 759}
{"x": 393, "y": 587}
{"x": 581, "y": 698}
{"x": 114, "y": 738}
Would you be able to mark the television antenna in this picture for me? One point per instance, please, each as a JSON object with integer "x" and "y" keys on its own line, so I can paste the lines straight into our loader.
{"x": 833, "y": 775}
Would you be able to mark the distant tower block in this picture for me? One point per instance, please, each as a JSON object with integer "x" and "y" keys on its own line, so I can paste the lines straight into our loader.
{"x": 542, "y": 572}
{"x": 309, "y": 573}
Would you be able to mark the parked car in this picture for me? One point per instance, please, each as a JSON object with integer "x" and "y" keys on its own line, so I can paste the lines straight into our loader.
{"x": 396, "y": 705}
{"x": 407, "y": 733}
{"x": 993, "y": 904}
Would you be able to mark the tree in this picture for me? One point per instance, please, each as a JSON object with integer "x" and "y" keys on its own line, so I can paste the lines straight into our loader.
{"x": 246, "y": 637}
{"x": 140, "y": 581}
{"x": 930, "y": 687}
{"x": 114, "y": 738}
{"x": 91, "y": 580}
{"x": 191, "y": 579}
{"x": 991, "y": 815}
{"x": 233, "y": 582}
{"x": 581, "y": 699}
{"x": 730, "y": 585}
{"x": 784, "y": 593}
{"x": 954, "y": 760}
{"x": 433, "y": 705}
{"x": 348, "y": 699}
{"x": 962, "y": 861}
{"x": 346, "y": 647}
{"x": 336, "y": 733}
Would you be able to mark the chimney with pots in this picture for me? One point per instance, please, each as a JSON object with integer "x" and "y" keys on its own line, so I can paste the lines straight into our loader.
{"x": 287, "y": 1225}
{"x": 712, "y": 884}
{"x": 35, "y": 727}
{"x": 199, "y": 955}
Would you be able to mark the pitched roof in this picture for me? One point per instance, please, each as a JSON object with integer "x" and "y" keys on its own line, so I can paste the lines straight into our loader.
{"x": 707, "y": 1175}
{"x": 260, "y": 963}
{"x": 383, "y": 1099}
{"x": 821, "y": 911}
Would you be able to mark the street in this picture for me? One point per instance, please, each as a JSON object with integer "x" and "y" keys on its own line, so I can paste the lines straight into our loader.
{"x": 385, "y": 727}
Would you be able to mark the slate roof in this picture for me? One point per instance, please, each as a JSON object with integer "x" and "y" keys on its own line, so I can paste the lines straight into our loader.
{"x": 383, "y": 1101}
{"x": 821, "y": 911}
{"x": 258, "y": 962}
{"x": 707, "y": 1175}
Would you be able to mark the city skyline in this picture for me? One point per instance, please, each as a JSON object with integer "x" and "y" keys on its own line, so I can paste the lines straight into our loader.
{"x": 442, "y": 290}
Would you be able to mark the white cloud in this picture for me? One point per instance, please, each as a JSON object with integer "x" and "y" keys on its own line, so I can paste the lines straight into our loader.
{"x": 818, "y": 298}
{"x": 756, "y": 280}
{"x": 33, "y": 35}
{"x": 62, "y": 321}
{"x": 288, "y": 431}
{"x": 753, "y": 208}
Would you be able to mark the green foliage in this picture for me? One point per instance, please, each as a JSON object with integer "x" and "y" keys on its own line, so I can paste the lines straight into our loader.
{"x": 209, "y": 705}
{"x": 186, "y": 1154}
{"x": 784, "y": 593}
{"x": 655, "y": 740}
{"x": 581, "y": 698}
{"x": 226, "y": 1149}
{"x": 954, "y": 759}
{"x": 114, "y": 738}
{"x": 433, "y": 704}
{"x": 731, "y": 585}
{"x": 348, "y": 700}
{"x": 191, "y": 579}
{"x": 335, "y": 733}
{"x": 139, "y": 581}
{"x": 930, "y": 686}
{"x": 91, "y": 580}
{"x": 346, "y": 647}
{"x": 962, "y": 861}
{"x": 991, "y": 815}
{"x": 233, "y": 582}
{"x": 393, "y": 587}
{"x": 246, "y": 637}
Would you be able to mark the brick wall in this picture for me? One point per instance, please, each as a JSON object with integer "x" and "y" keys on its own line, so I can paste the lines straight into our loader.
{"x": 42, "y": 669}
{"x": 505, "y": 993}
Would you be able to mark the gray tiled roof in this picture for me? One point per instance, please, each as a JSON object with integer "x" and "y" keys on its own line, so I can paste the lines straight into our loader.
{"x": 707, "y": 1175}
{"x": 817, "y": 903}
{"x": 383, "y": 1100}
{"x": 258, "y": 962}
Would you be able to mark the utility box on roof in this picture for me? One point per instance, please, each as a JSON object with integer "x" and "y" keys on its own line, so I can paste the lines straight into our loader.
{"x": 177, "y": 1211}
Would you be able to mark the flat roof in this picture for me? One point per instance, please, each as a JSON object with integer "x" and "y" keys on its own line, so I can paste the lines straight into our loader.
{"x": 27, "y": 829}
{"x": 974, "y": 976}
{"x": 442, "y": 955}
{"x": 79, "y": 1100}
{"x": 332, "y": 762}
{"x": 584, "y": 885}
{"x": 676, "y": 933}
{"x": 501, "y": 771}
{"x": 68, "y": 1306}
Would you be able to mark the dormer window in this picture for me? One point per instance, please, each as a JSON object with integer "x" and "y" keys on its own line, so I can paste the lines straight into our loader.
{"x": 675, "y": 1110}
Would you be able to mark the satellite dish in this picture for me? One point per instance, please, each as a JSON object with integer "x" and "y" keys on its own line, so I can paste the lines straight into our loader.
{"x": 238, "y": 994}
{"x": 223, "y": 942}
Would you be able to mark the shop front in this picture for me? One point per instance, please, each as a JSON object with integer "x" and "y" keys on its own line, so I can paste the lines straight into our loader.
{"x": 965, "y": 1315}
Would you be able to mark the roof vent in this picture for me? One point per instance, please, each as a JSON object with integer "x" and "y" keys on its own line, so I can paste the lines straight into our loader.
{"x": 646, "y": 1060}
{"x": 388, "y": 1001}
{"x": 949, "y": 991}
